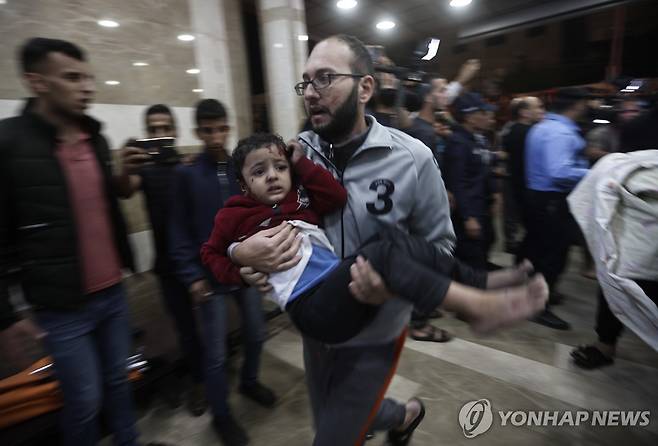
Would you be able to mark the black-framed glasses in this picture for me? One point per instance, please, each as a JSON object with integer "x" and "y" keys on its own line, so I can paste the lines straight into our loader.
{"x": 321, "y": 81}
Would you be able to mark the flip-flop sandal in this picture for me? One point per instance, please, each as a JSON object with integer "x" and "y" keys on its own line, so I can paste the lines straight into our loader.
{"x": 402, "y": 438}
{"x": 589, "y": 357}
{"x": 430, "y": 336}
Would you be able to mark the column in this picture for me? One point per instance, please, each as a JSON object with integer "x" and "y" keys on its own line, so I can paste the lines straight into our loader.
{"x": 220, "y": 53}
{"x": 282, "y": 24}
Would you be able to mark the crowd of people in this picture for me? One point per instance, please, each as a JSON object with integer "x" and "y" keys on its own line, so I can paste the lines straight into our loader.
{"x": 361, "y": 229}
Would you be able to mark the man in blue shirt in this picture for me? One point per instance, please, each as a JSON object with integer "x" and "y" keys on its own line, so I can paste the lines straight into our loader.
{"x": 554, "y": 164}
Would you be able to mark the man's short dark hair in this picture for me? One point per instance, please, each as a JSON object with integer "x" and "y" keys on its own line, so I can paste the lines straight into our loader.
{"x": 157, "y": 109}
{"x": 254, "y": 142}
{"x": 35, "y": 51}
{"x": 209, "y": 109}
{"x": 566, "y": 98}
{"x": 361, "y": 62}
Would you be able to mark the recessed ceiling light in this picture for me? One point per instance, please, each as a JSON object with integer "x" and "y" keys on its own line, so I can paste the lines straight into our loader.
{"x": 302, "y": 37}
{"x": 186, "y": 37}
{"x": 346, "y": 4}
{"x": 108, "y": 23}
{"x": 460, "y": 3}
{"x": 198, "y": 90}
{"x": 193, "y": 71}
{"x": 385, "y": 25}
{"x": 112, "y": 82}
{"x": 278, "y": 45}
{"x": 140, "y": 64}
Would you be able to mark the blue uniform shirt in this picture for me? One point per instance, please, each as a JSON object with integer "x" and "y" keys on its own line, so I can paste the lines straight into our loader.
{"x": 554, "y": 155}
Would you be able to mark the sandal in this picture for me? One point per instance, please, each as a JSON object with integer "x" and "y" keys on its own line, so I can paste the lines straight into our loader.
{"x": 589, "y": 357}
{"x": 402, "y": 438}
{"x": 430, "y": 334}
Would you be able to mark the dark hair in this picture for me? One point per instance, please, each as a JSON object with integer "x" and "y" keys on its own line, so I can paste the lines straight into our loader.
{"x": 158, "y": 109}
{"x": 35, "y": 51}
{"x": 361, "y": 62}
{"x": 209, "y": 109}
{"x": 567, "y": 98}
{"x": 254, "y": 142}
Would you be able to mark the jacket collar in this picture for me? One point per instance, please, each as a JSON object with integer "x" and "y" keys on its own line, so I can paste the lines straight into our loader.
{"x": 89, "y": 125}
{"x": 562, "y": 119}
{"x": 378, "y": 137}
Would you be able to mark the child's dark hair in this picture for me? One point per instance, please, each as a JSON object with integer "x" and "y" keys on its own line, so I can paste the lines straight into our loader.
{"x": 255, "y": 142}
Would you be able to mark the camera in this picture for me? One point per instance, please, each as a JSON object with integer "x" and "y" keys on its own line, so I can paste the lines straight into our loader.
{"x": 161, "y": 150}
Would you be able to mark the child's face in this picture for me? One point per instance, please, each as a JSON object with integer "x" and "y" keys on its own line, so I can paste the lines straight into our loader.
{"x": 266, "y": 175}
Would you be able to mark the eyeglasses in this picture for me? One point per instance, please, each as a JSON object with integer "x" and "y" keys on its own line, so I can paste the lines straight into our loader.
{"x": 321, "y": 81}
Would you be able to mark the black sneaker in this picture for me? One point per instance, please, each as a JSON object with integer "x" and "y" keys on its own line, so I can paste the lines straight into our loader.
{"x": 196, "y": 400}
{"x": 549, "y": 319}
{"x": 230, "y": 432}
{"x": 259, "y": 393}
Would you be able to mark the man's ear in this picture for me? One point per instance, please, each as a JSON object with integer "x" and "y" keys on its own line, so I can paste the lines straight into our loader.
{"x": 197, "y": 133}
{"x": 367, "y": 86}
{"x": 36, "y": 83}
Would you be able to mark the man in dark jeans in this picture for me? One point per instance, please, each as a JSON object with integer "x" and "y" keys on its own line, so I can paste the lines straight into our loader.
{"x": 61, "y": 226}
{"x": 154, "y": 179}
{"x": 554, "y": 164}
{"x": 199, "y": 190}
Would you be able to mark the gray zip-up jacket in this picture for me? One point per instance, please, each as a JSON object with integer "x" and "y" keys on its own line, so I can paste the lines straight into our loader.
{"x": 392, "y": 179}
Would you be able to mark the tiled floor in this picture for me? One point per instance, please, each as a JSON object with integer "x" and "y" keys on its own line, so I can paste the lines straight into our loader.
{"x": 523, "y": 368}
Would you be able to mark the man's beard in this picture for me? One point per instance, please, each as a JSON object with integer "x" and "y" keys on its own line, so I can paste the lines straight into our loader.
{"x": 343, "y": 120}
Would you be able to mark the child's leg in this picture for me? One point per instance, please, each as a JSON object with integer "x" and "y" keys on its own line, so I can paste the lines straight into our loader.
{"x": 492, "y": 309}
{"x": 330, "y": 313}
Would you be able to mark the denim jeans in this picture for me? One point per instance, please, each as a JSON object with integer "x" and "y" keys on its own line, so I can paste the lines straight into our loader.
{"x": 213, "y": 313}
{"x": 90, "y": 346}
{"x": 179, "y": 305}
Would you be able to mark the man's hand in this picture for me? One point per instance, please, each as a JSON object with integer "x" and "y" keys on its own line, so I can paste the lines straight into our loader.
{"x": 200, "y": 291}
{"x": 255, "y": 279}
{"x": 367, "y": 285}
{"x": 132, "y": 159}
{"x": 273, "y": 249}
{"x": 12, "y": 342}
{"x": 296, "y": 151}
{"x": 473, "y": 228}
{"x": 468, "y": 71}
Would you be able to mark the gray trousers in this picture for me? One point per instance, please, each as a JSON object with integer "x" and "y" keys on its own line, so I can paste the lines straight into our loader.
{"x": 346, "y": 387}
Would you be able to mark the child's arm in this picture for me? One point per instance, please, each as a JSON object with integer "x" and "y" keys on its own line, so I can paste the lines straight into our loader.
{"x": 213, "y": 252}
{"x": 325, "y": 192}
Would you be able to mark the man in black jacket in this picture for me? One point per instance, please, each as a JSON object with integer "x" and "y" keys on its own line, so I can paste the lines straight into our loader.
{"x": 526, "y": 112}
{"x": 61, "y": 228}
{"x": 468, "y": 176}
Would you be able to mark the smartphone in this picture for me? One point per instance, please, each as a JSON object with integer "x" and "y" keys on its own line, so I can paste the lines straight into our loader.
{"x": 161, "y": 150}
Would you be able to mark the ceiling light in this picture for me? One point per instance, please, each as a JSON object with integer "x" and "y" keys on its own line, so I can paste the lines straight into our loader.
{"x": 186, "y": 37}
{"x": 193, "y": 71}
{"x": 346, "y": 4}
{"x": 112, "y": 82}
{"x": 601, "y": 121}
{"x": 108, "y": 23}
{"x": 140, "y": 64}
{"x": 626, "y": 90}
{"x": 385, "y": 25}
{"x": 278, "y": 45}
{"x": 302, "y": 37}
{"x": 632, "y": 87}
{"x": 459, "y": 3}
{"x": 198, "y": 90}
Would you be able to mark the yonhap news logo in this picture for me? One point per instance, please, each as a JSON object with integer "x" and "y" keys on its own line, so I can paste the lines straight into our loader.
{"x": 476, "y": 417}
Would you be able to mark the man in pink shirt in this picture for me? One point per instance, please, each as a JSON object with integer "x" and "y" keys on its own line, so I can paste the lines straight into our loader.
{"x": 61, "y": 227}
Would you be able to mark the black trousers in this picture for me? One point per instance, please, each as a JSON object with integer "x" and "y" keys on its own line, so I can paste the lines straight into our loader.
{"x": 411, "y": 267}
{"x": 608, "y": 327}
{"x": 474, "y": 252}
{"x": 551, "y": 230}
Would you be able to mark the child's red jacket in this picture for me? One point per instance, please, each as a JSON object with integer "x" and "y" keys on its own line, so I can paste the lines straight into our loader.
{"x": 315, "y": 193}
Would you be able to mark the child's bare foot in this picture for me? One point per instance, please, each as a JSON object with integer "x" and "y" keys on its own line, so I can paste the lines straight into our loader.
{"x": 503, "y": 307}
{"x": 507, "y": 277}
